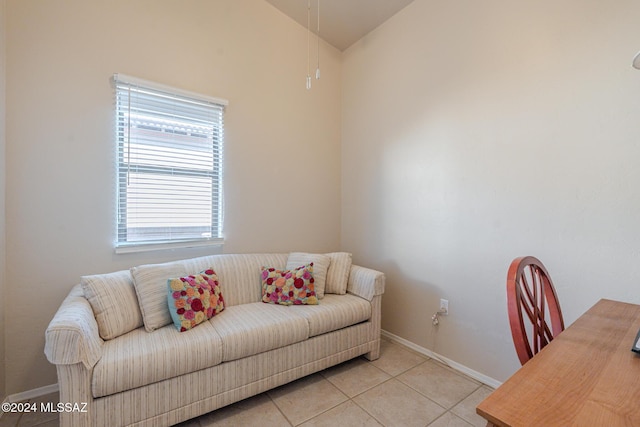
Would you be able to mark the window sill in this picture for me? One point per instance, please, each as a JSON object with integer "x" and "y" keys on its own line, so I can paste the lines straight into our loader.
{"x": 148, "y": 247}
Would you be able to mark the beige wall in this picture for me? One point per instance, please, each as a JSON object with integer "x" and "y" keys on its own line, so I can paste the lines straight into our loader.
{"x": 282, "y": 142}
{"x": 475, "y": 132}
{"x": 2, "y": 193}
{"x": 471, "y": 133}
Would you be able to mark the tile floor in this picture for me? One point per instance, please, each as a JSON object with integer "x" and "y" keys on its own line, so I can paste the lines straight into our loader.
{"x": 401, "y": 388}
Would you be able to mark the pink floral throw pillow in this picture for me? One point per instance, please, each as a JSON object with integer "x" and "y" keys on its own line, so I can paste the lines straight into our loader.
{"x": 289, "y": 287}
{"x": 194, "y": 299}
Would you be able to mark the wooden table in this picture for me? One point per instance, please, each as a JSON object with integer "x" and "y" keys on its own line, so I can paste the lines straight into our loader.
{"x": 587, "y": 376}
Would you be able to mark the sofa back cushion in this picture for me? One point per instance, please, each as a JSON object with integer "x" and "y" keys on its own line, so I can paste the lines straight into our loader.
{"x": 238, "y": 275}
{"x": 150, "y": 282}
{"x": 338, "y": 273}
{"x": 114, "y": 303}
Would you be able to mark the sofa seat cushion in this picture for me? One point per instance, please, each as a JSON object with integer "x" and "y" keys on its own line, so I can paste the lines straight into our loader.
{"x": 140, "y": 358}
{"x": 334, "y": 312}
{"x": 253, "y": 328}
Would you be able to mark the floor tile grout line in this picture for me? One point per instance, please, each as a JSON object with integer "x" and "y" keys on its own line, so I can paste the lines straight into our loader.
{"x": 395, "y": 377}
{"x": 352, "y": 398}
{"x": 455, "y": 371}
{"x": 448, "y": 368}
{"x": 446, "y": 411}
{"x": 461, "y": 400}
{"x": 337, "y": 388}
{"x": 391, "y": 378}
{"x": 291, "y": 424}
{"x": 444, "y": 407}
{"x": 317, "y": 415}
{"x": 451, "y": 413}
{"x": 278, "y": 408}
{"x": 363, "y": 391}
{"x": 405, "y": 371}
{"x": 367, "y": 412}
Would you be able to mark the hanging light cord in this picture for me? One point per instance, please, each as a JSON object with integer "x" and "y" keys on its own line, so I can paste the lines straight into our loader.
{"x": 318, "y": 67}
{"x": 308, "y": 44}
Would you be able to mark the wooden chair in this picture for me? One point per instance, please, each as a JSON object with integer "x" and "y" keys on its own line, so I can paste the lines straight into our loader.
{"x": 531, "y": 298}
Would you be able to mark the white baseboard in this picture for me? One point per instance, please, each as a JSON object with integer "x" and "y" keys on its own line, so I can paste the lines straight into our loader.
{"x": 32, "y": 394}
{"x": 493, "y": 383}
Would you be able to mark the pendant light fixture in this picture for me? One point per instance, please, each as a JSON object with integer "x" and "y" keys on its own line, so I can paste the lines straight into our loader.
{"x": 309, "y": 44}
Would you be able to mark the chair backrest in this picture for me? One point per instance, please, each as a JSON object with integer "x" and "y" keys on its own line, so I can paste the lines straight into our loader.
{"x": 533, "y": 304}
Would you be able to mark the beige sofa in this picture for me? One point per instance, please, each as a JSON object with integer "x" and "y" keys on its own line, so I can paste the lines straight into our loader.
{"x": 115, "y": 350}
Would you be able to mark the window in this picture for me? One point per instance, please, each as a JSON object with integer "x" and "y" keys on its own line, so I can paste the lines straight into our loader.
{"x": 170, "y": 146}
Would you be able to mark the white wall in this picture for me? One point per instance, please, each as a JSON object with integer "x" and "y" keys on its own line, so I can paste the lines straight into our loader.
{"x": 2, "y": 193}
{"x": 282, "y": 141}
{"x": 475, "y": 132}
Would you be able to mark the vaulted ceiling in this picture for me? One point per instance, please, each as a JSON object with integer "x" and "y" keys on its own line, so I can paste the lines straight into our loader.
{"x": 342, "y": 22}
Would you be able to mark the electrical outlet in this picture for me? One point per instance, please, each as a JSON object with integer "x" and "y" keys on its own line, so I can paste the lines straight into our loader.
{"x": 444, "y": 307}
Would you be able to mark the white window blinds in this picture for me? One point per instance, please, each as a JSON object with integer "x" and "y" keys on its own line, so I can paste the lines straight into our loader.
{"x": 170, "y": 145}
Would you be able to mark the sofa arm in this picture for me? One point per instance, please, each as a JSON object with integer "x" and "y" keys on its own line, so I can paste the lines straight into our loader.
{"x": 365, "y": 282}
{"x": 72, "y": 336}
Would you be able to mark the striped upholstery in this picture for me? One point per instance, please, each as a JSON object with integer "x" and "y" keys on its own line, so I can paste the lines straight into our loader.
{"x": 144, "y": 379}
{"x": 72, "y": 335}
{"x": 239, "y": 275}
{"x": 180, "y": 398}
{"x": 114, "y": 302}
{"x": 140, "y": 358}
{"x": 365, "y": 282}
{"x": 338, "y": 273}
{"x": 150, "y": 284}
{"x": 151, "y": 287}
{"x": 376, "y": 327}
{"x": 250, "y": 329}
{"x": 334, "y": 312}
{"x": 239, "y": 272}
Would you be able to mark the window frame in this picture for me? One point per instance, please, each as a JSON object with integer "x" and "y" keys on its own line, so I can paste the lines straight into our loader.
{"x": 122, "y": 82}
